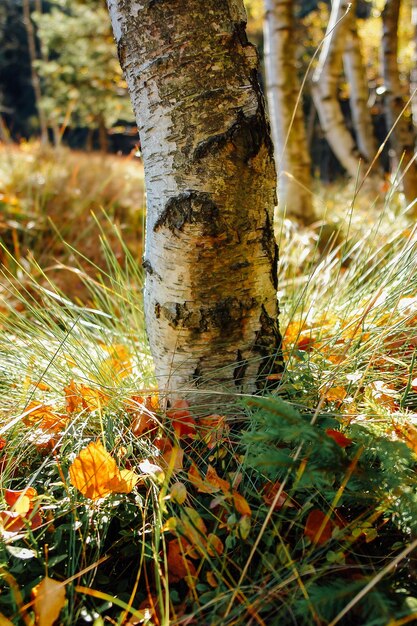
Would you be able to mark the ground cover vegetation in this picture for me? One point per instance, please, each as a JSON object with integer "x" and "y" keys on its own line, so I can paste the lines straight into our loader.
{"x": 294, "y": 508}
{"x": 119, "y": 506}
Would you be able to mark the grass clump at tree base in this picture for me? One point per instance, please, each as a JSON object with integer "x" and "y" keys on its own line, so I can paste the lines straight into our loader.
{"x": 294, "y": 508}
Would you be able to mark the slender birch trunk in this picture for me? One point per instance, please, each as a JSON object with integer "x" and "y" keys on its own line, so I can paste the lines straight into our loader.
{"x": 287, "y": 120}
{"x": 210, "y": 255}
{"x": 34, "y": 75}
{"x": 402, "y": 138}
{"x": 325, "y": 89}
{"x": 359, "y": 92}
{"x": 413, "y": 73}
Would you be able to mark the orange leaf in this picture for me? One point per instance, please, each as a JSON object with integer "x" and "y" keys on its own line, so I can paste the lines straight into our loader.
{"x": 339, "y": 438}
{"x": 217, "y": 483}
{"x": 197, "y": 481}
{"x": 335, "y": 394}
{"x": 142, "y": 411}
{"x": 212, "y": 429}
{"x": 383, "y": 394}
{"x": 182, "y": 420}
{"x": 21, "y": 500}
{"x": 240, "y": 504}
{"x": 178, "y": 565}
{"x": 49, "y": 598}
{"x": 81, "y": 397}
{"x": 172, "y": 455}
{"x": 317, "y": 520}
{"x": 42, "y": 416}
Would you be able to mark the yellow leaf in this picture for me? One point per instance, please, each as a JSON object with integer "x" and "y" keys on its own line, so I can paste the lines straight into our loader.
{"x": 124, "y": 482}
{"x": 214, "y": 545}
{"x": 4, "y": 621}
{"x": 93, "y": 471}
{"x": 211, "y": 579}
{"x": 178, "y": 493}
{"x": 49, "y": 599}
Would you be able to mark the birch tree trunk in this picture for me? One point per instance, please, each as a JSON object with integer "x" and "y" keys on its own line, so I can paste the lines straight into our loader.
{"x": 325, "y": 89}
{"x": 359, "y": 92}
{"x": 287, "y": 120}
{"x": 402, "y": 138}
{"x": 210, "y": 255}
{"x": 34, "y": 74}
{"x": 413, "y": 73}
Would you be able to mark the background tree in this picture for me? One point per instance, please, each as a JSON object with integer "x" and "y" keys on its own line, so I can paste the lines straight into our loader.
{"x": 211, "y": 258}
{"x": 286, "y": 114}
{"x": 358, "y": 87}
{"x": 402, "y": 137}
{"x": 325, "y": 89}
{"x": 34, "y": 74}
{"x": 82, "y": 81}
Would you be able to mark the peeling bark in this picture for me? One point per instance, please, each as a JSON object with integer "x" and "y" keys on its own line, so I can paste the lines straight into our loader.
{"x": 402, "y": 137}
{"x": 288, "y": 131}
{"x": 210, "y": 255}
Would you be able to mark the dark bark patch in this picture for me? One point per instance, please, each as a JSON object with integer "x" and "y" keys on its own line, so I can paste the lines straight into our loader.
{"x": 240, "y": 265}
{"x": 240, "y": 369}
{"x": 247, "y": 134}
{"x": 240, "y": 35}
{"x": 225, "y": 315}
{"x": 270, "y": 248}
{"x": 146, "y": 264}
{"x": 190, "y": 207}
{"x": 268, "y": 344}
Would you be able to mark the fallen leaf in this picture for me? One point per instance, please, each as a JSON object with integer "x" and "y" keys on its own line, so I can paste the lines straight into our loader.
{"x": 317, "y": 520}
{"x": 21, "y": 500}
{"x": 80, "y": 397}
{"x": 178, "y": 565}
{"x": 94, "y": 472}
{"x": 178, "y": 493}
{"x": 125, "y": 482}
{"x": 142, "y": 411}
{"x": 214, "y": 545}
{"x": 269, "y": 492}
{"x": 43, "y": 416}
{"x": 240, "y": 504}
{"x": 197, "y": 481}
{"x": 212, "y": 429}
{"x": 335, "y": 394}
{"x": 181, "y": 418}
{"x": 214, "y": 480}
{"x": 49, "y": 596}
{"x": 339, "y": 438}
{"x": 211, "y": 579}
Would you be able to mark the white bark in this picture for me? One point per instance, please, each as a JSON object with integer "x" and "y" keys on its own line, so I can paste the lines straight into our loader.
{"x": 287, "y": 121}
{"x": 325, "y": 90}
{"x": 210, "y": 255}
{"x": 402, "y": 138}
{"x": 359, "y": 92}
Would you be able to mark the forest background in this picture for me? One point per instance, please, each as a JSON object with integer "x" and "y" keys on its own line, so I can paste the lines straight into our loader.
{"x": 298, "y": 507}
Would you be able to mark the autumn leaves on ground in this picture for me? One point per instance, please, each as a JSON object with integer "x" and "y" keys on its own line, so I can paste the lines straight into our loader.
{"x": 295, "y": 508}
